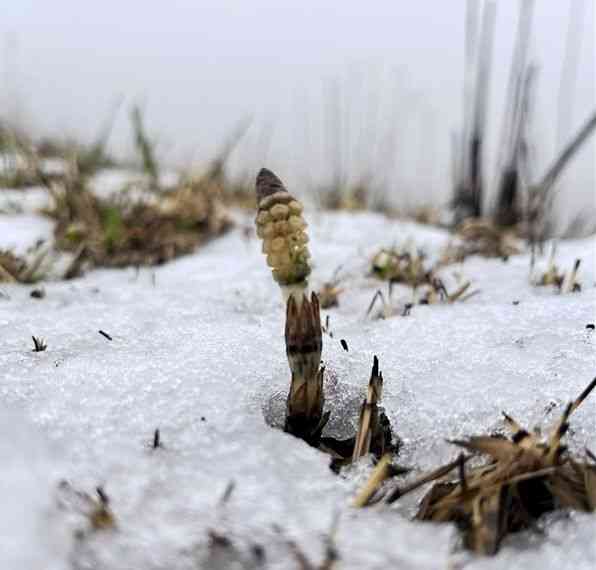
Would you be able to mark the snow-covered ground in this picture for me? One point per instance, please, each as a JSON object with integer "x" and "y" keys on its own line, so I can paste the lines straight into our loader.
{"x": 198, "y": 351}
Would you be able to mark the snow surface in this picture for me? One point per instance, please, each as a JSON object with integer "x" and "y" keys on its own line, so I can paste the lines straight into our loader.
{"x": 18, "y": 201}
{"x": 198, "y": 351}
{"x": 20, "y": 232}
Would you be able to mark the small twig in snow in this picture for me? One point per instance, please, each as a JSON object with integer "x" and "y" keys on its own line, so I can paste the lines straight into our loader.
{"x": 39, "y": 345}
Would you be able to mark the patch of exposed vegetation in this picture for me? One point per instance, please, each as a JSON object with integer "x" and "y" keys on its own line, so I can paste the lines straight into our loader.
{"x": 477, "y": 236}
{"x": 120, "y": 231}
{"x": 409, "y": 266}
{"x": 339, "y": 196}
{"x": 522, "y": 478}
{"x": 402, "y": 264}
{"x": 552, "y": 276}
{"x": 24, "y": 162}
{"x": 23, "y": 269}
{"x": 144, "y": 224}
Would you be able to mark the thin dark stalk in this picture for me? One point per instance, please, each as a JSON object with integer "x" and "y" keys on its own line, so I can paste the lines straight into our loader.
{"x": 508, "y": 209}
{"x": 471, "y": 40}
{"x": 567, "y": 154}
{"x": 469, "y": 189}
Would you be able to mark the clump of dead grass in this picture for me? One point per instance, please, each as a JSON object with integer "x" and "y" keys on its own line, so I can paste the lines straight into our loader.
{"x": 16, "y": 268}
{"x": 553, "y": 276}
{"x": 149, "y": 226}
{"x": 96, "y": 510}
{"x": 481, "y": 236}
{"x": 355, "y": 197}
{"x": 408, "y": 265}
{"x": 522, "y": 478}
{"x": 149, "y": 230}
{"x": 401, "y": 264}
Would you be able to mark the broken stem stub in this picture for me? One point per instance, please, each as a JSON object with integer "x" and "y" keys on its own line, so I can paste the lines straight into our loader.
{"x": 374, "y": 430}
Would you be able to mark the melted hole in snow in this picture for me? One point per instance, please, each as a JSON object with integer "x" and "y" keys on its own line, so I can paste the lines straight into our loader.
{"x": 342, "y": 400}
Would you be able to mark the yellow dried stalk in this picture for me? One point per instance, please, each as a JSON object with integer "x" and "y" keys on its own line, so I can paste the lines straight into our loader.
{"x": 101, "y": 517}
{"x": 14, "y": 269}
{"x": 97, "y": 511}
{"x": 381, "y": 473}
{"x": 369, "y": 428}
{"x": 437, "y": 293}
{"x": 552, "y": 275}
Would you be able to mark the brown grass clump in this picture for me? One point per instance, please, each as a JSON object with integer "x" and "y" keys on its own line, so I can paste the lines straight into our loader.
{"x": 351, "y": 198}
{"x": 11, "y": 267}
{"x": 402, "y": 264}
{"x": 427, "y": 215}
{"x": 480, "y": 236}
{"x": 428, "y": 288}
{"x": 97, "y": 511}
{"x": 330, "y": 291}
{"x": 116, "y": 232}
{"x": 24, "y": 165}
{"x": 329, "y": 295}
{"x": 561, "y": 281}
{"x": 18, "y": 269}
{"x": 157, "y": 225}
{"x": 522, "y": 478}
{"x": 436, "y": 292}
{"x": 16, "y": 167}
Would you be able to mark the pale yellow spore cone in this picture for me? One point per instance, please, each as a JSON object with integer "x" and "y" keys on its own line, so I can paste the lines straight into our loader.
{"x": 281, "y": 226}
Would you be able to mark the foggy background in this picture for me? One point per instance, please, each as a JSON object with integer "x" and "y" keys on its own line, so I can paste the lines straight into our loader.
{"x": 365, "y": 88}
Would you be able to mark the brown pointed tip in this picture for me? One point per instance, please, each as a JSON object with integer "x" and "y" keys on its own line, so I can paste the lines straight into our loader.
{"x": 267, "y": 184}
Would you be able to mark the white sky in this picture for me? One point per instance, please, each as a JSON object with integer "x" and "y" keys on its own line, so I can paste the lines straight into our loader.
{"x": 200, "y": 67}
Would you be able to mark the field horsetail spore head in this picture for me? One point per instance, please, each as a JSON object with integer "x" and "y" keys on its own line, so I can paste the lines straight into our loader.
{"x": 282, "y": 228}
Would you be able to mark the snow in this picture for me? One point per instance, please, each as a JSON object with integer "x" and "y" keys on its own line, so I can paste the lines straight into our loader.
{"x": 18, "y": 201}
{"x": 198, "y": 351}
{"x": 27, "y": 539}
{"x": 19, "y": 232}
